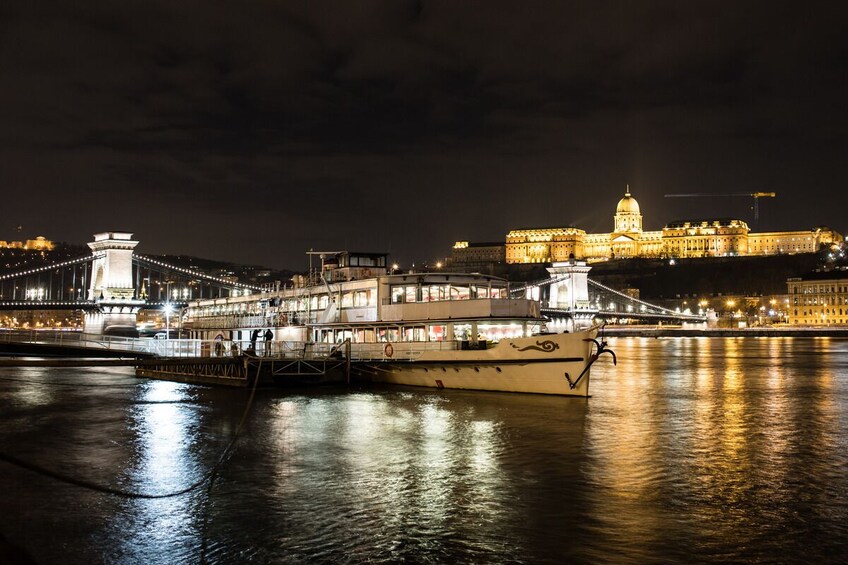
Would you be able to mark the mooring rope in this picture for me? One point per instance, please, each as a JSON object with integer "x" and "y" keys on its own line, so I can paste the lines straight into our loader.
{"x": 208, "y": 477}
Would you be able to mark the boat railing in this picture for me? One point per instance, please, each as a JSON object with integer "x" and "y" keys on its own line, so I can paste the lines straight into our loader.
{"x": 386, "y": 351}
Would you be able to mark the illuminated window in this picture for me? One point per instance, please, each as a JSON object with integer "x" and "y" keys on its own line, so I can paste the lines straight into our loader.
{"x": 411, "y": 294}
{"x": 397, "y": 294}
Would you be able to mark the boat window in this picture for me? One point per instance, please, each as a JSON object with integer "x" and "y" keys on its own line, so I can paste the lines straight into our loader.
{"x": 342, "y": 335}
{"x": 462, "y": 331}
{"x": 438, "y": 292}
{"x": 360, "y": 299}
{"x": 347, "y": 300}
{"x": 397, "y": 294}
{"x": 414, "y": 333}
{"x": 459, "y": 293}
{"x": 323, "y": 301}
{"x": 411, "y": 292}
{"x": 497, "y": 332}
{"x": 387, "y": 334}
{"x": 438, "y": 333}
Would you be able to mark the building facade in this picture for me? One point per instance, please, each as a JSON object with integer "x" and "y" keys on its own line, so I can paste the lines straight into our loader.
{"x": 820, "y": 299}
{"x": 682, "y": 239}
{"x": 40, "y": 243}
{"x": 478, "y": 253}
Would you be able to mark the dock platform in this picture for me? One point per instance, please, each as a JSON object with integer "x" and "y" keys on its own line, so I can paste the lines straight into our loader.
{"x": 241, "y": 371}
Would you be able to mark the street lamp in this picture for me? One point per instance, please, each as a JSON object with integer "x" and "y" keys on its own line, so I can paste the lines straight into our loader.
{"x": 168, "y": 309}
{"x": 731, "y": 304}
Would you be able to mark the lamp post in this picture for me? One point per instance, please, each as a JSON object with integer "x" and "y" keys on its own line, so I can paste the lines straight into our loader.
{"x": 731, "y": 304}
{"x": 168, "y": 309}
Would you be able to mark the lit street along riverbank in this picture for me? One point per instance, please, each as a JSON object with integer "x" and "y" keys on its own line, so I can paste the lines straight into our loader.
{"x": 705, "y": 450}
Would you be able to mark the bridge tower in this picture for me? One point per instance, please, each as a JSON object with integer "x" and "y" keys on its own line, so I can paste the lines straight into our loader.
{"x": 112, "y": 282}
{"x": 571, "y": 292}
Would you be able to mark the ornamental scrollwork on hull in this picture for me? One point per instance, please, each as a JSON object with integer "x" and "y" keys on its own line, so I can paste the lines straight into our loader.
{"x": 546, "y": 346}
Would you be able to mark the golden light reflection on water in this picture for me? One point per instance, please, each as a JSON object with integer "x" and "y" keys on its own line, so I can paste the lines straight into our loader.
{"x": 701, "y": 450}
{"x": 734, "y": 415}
{"x": 730, "y": 410}
{"x": 619, "y": 449}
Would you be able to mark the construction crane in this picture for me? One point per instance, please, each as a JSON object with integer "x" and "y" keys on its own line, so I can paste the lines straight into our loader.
{"x": 755, "y": 195}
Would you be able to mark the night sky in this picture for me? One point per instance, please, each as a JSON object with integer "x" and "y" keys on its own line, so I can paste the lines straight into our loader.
{"x": 254, "y": 131}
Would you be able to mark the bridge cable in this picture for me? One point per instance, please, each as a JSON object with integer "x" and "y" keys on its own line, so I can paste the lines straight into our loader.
{"x": 208, "y": 477}
{"x": 51, "y": 266}
{"x": 160, "y": 264}
{"x": 539, "y": 283}
{"x": 636, "y": 300}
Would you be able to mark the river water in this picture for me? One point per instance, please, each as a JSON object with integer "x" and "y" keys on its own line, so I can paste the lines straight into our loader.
{"x": 691, "y": 450}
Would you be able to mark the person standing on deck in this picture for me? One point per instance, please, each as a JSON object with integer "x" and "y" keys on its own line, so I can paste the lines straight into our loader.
{"x": 268, "y": 337}
{"x": 254, "y": 335}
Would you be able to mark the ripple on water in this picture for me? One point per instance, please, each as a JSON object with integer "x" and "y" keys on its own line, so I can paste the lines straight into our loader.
{"x": 703, "y": 450}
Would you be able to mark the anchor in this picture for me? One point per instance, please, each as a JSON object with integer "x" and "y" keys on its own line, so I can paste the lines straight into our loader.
{"x": 601, "y": 349}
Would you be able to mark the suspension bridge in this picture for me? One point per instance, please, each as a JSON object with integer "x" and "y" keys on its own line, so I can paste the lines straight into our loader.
{"x": 113, "y": 283}
{"x": 570, "y": 296}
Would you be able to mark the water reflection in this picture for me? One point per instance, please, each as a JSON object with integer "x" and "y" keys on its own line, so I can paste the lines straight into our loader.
{"x": 407, "y": 473}
{"x": 165, "y": 424}
{"x": 720, "y": 460}
{"x": 705, "y": 450}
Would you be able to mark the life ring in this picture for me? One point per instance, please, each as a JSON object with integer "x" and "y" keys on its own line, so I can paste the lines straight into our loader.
{"x": 389, "y": 350}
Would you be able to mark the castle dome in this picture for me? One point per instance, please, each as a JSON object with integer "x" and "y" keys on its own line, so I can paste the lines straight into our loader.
{"x": 627, "y": 205}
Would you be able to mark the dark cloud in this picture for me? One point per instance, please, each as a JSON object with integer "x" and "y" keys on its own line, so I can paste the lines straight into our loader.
{"x": 253, "y": 131}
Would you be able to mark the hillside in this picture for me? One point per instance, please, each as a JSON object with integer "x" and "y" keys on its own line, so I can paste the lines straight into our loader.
{"x": 661, "y": 279}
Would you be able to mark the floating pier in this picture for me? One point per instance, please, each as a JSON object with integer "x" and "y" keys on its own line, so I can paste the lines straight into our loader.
{"x": 303, "y": 368}
{"x": 240, "y": 371}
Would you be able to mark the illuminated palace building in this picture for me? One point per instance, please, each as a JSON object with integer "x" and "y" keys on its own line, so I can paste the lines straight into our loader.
{"x": 690, "y": 238}
{"x": 40, "y": 243}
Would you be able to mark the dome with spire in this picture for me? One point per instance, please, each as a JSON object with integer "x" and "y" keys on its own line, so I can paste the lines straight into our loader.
{"x": 627, "y": 205}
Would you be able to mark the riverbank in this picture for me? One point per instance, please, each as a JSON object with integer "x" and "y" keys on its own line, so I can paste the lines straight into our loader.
{"x": 677, "y": 331}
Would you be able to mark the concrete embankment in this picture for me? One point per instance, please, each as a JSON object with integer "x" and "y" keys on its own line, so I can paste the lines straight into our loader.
{"x": 671, "y": 331}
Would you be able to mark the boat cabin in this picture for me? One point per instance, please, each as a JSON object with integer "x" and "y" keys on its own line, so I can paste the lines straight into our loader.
{"x": 355, "y": 298}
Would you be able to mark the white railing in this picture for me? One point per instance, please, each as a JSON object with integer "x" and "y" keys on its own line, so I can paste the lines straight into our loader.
{"x": 74, "y": 339}
{"x": 117, "y": 344}
{"x": 397, "y": 351}
{"x": 403, "y": 351}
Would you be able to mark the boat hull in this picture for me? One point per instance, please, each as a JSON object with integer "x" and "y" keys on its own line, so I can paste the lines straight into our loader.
{"x": 549, "y": 364}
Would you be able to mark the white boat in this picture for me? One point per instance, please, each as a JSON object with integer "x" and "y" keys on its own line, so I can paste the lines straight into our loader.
{"x": 435, "y": 329}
